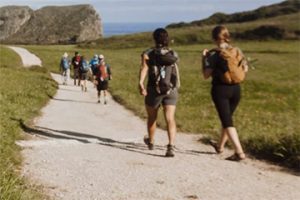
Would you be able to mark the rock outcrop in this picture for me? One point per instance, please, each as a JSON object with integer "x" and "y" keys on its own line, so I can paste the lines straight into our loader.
{"x": 55, "y": 25}
{"x": 12, "y": 18}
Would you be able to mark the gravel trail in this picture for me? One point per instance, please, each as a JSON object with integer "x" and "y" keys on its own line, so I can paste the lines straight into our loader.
{"x": 28, "y": 59}
{"x": 80, "y": 149}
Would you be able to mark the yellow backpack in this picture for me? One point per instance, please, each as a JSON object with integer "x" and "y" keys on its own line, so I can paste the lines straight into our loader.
{"x": 235, "y": 63}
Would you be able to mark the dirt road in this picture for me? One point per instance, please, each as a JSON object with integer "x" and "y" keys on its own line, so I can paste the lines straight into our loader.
{"x": 84, "y": 150}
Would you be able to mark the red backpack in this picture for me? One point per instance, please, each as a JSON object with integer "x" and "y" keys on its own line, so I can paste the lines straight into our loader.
{"x": 103, "y": 72}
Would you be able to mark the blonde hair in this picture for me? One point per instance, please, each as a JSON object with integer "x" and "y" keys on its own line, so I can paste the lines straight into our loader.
{"x": 221, "y": 33}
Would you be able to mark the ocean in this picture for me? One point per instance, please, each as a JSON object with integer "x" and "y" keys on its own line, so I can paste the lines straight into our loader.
{"x": 110, "y": 29}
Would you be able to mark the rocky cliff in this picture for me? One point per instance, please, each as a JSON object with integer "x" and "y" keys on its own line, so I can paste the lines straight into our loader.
{"x": 12, "y": 18}
{"x": 52, "y": 25}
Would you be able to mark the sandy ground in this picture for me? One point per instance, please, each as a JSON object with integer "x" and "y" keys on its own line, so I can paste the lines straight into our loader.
{"x": 84, "y": 150}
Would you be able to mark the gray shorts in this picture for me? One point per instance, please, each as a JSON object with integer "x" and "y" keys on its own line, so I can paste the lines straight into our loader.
{"x": 153, "y": 99}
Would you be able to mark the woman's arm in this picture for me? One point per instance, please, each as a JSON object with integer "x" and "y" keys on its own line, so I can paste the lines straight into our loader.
{"x": 143, "y": 74}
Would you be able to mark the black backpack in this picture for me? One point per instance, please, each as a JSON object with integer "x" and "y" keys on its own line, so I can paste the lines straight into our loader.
{"x": 162, "y": 70}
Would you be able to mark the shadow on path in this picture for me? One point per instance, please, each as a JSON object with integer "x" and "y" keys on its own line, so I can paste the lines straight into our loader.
{"x": 85, "y": 139}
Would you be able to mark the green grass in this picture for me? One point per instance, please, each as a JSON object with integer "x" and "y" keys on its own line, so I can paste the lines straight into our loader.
{"x": 267, "y": 118}
{"x": 23, "y": 92}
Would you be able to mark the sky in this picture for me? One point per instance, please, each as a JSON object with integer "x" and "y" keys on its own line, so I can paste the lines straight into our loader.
{"x": 152, "y": 10}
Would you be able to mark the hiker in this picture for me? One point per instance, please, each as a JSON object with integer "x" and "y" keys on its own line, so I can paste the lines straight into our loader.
{"x": 93, "y": 66}
{"x": 102, "y": 76}
{"x": 75, "y": 63}
{"x": 83, "y": 73}
{"x": 159, "y": 64}
{"x": 225, "y": 91}
{"x": 65, "y": 68}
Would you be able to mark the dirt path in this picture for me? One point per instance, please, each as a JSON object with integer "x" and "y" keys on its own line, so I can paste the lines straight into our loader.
{"x": 28, "y": 59}
{"x": 84, "y": 150}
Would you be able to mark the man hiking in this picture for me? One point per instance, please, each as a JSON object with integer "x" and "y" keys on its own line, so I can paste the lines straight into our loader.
{"x": 102, "y": 76}
{"x": 83, "y": 73}
{"x": 93, "y": 64}
{"x": 75, "y": 63}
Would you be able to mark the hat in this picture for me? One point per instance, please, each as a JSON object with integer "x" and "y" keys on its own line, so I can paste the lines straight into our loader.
{"x": 65, "y": 55}
{"x": 101, "y": 56}
{"x": 95, "y": 56}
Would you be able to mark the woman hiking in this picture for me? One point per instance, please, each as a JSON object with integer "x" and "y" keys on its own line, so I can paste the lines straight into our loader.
{"x": 225, "y": 95}
{"x": 65, "y": 68}
{"x": 159, "y": 64}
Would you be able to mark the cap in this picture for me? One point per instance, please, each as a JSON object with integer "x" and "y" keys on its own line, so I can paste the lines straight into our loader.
{"x": 101, "y": 56}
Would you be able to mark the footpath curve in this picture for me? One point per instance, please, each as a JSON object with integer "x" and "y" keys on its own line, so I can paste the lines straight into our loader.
{"x": 28, "y": 59}
{"x": 84, "y": 150}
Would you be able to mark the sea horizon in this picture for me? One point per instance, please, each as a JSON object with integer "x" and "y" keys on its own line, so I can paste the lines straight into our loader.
{"x": 122, "y": 28}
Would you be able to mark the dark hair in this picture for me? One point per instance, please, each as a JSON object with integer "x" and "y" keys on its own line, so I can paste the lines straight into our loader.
{"x": 161, "y": 37}
{"x": 76, "y": 53}
{"x": 220, "y": 33}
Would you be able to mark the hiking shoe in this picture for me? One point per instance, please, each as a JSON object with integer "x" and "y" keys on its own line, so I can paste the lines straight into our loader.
{"x": 170, "y": 151}
{"x": 147, "y": 142}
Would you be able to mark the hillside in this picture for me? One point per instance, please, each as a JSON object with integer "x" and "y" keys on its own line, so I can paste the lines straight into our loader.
{"x": 284, "y": 8}
{"x": 284, "y": 27}
{"x": 52, "y": 25}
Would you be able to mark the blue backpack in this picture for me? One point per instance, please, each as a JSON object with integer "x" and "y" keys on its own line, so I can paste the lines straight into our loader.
{"x": 64, "y": 63}
{"x": 94, "y": 62}
{"x": 84, "y": 67}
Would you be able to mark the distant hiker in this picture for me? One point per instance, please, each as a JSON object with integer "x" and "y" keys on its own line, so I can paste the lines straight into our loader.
{"x": 159, "y": 63}
{"x": 75, "y": 63}
{"x": 94, "y": 62}
{"x": 83, "y": 73}
{"x": 102, "y": 76}
{"x": 65, "y": 68}
{"x": 93, "y": 66}
{"x": 227, "y": 67}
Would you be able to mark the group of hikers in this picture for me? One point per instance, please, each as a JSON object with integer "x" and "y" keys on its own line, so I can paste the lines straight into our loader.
{"x": 225, "y": 63}
{"x": 96, "y": 70}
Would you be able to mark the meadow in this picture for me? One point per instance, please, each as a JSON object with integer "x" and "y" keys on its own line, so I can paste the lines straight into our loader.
{"x": 268, "y": 115}
{"x": 23, "y": 92}
{"x": 267, "y": 118}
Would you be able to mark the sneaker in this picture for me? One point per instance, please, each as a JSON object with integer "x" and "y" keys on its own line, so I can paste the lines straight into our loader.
{"x": 170, "y": 151}
{"x": 105, "y": 102}
{"x": 99, "y": 101}
{"x": 147, "y": 142}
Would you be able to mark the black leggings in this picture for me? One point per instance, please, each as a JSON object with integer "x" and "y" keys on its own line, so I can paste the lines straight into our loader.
{"x": 226, "y": 98}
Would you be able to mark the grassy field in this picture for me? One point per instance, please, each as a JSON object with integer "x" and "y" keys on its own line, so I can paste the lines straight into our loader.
{"x": 23, "y": 92}
{"x": 268, "y": 115}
